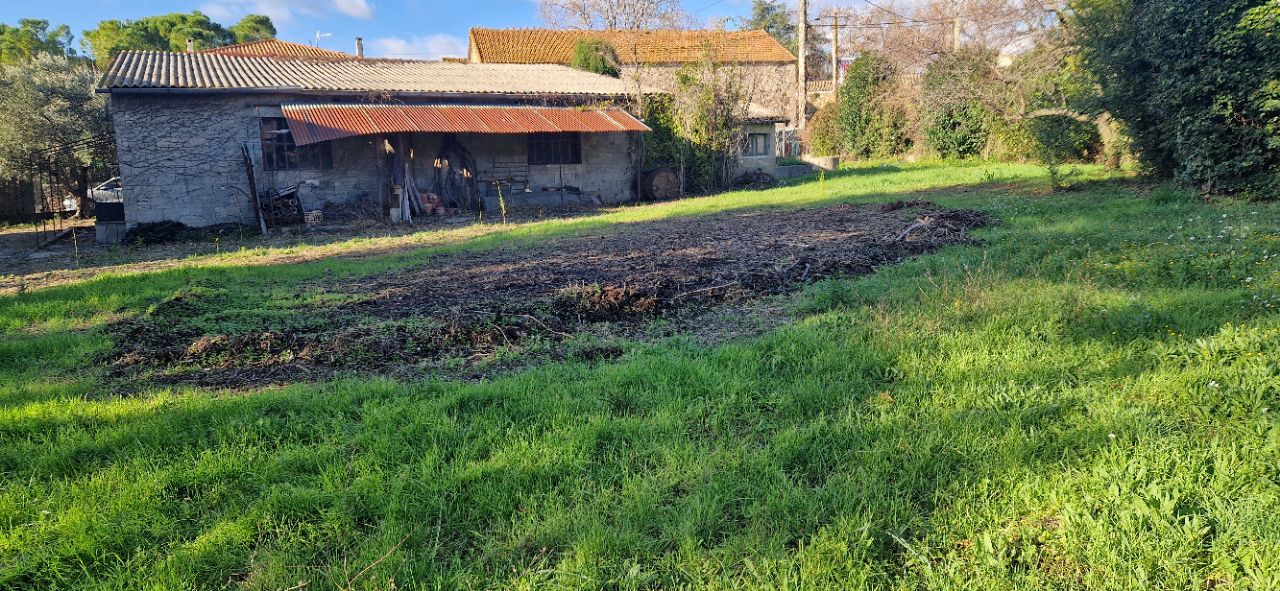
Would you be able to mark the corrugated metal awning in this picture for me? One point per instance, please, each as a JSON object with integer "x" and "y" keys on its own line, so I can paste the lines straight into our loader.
{"x": 322, "y": 122}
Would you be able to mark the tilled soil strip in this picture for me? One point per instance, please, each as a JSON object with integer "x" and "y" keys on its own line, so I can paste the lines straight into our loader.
{"x": 468, "y": 305}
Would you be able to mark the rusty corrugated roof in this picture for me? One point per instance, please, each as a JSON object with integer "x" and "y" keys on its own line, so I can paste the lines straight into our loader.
{"x": 554, "y": 46}
{"x": 311, "y": 123}
{"x": 162, "y": 70}
{"x": 278, "y": 48}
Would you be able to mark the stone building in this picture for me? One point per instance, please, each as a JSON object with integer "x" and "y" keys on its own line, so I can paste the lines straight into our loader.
{"x": 652, "y": 58}
{"x": 343, "y": 128}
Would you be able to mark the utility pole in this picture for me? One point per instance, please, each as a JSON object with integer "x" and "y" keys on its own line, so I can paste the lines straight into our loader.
{"x": 801, "y": 94}
{"x": 955, "y": 34}
{"x": 835, "y": 51}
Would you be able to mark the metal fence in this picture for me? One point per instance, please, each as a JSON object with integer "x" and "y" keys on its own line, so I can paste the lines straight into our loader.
{"x": 55, "y": 185}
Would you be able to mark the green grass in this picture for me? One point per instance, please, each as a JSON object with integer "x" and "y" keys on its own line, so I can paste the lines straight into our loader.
{"x": 1087, "y": 401}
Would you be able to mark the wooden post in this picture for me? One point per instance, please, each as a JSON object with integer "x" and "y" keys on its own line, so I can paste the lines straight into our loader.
{"x": 83, "y": 193}
{"x": 801, "y": 75}
{"x": 835, "y": 52}
{"x": 253, "y": 189}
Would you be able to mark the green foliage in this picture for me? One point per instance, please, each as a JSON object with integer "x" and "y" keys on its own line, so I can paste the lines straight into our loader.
{"x": 48, "y": 101}
{"x": 1195, "y": 82}
{"x": 1062, "y": 139}
{"x": 955, "y": 115}
{"x": 870, "y": 124}
{"x": 1011, "y": 140}
{"x": 253, "y": 27}
{"x": 1086, "y": 401}
{"x": 710, "y": 105}
{"x": 665, "y": 147}
{"x": 825, "y": 135}
{"x": 167, "y": 32}
{"x": 775, "y": 17}
{"x": 958, "y": 130}
{"x": 33, "y": 37}
{"x": 596, "y": 55}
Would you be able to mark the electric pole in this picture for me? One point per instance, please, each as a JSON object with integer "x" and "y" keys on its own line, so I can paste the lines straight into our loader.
{"x": 801, "y": 93}
{"x": 835, "y": 52}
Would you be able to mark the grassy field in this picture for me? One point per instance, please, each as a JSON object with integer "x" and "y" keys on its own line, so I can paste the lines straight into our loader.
{"x": 1088, "y": 400}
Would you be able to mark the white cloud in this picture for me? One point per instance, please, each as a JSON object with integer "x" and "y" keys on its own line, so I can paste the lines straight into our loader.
{"x": 354, "y": 8}
{"x": 431, "y": 47}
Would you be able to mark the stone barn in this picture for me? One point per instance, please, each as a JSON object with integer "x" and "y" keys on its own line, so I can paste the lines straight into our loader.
{"x": 652, "y": 59}
{"x": 194, "y": 130}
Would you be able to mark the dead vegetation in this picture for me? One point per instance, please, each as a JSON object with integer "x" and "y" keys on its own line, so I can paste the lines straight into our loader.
{"x": 469, "y": 313}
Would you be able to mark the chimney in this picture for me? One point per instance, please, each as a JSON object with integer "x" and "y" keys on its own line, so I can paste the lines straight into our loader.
{"x": 191, "y": 45}
{"x": 360, "y": 47}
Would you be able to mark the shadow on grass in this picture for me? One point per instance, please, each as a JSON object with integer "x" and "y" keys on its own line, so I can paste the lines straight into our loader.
{"x": 675, "y": 466}
{"x": 736, "y": 452}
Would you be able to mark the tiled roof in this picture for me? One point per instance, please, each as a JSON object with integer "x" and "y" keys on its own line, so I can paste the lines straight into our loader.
{"x": 821, "y": 85}
{"x": 324, "y": 122}
{"x": 200, "y": 71}
{"x": 277, "y": 48}
{"x": 760, "y": 114}
{"x": 552, "y": 46}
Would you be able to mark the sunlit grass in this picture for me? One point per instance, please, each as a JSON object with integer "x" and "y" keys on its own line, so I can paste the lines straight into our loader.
{"x": 1086, "y": 401}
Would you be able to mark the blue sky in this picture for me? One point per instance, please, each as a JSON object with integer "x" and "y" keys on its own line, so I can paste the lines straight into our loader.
{"x": 422, "y": 29}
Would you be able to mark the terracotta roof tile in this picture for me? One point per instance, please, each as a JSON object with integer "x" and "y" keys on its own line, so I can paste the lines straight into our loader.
{"x": 212, "y": 71}
{"x": 277, "y": 48}
{"x": 552, "y": 46}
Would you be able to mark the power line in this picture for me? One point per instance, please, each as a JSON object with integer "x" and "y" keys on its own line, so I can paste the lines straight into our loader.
{"x": 982, "y": 18}
{"x": 919, "y": 22}
{"x": 706, "y": 7}
{"x": 893, "y": 12}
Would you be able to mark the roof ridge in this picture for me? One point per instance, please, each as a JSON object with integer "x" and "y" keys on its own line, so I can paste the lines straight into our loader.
{"x": 645, "y": 46}
{"x": 152, "y": 70}
{"x": 286, "y": 49}
{"x": 588, "y": 31}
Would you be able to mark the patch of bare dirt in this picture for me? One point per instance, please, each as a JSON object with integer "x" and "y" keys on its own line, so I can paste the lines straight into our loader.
{"x": 457, "y": 314}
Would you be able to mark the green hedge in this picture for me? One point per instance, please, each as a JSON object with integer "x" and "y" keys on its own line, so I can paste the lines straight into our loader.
{"x": 1196, "y": 82}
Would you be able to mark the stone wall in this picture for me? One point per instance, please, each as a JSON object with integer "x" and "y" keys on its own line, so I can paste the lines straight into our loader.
{"x": 767, "y": 163}
{"x": 771, "y": 86}
{"x": 180, "y": 159}
{"x": 607, "y": 171}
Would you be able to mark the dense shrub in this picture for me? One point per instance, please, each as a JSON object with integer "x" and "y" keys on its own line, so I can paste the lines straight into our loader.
{"x": 664, "y": 147}
{"x": 955, "y": 118}
{"x": 1062, "y": 139}
{"x": 825, "y": 137}
{"x": 868, "y": 122}
{"x": 958, "y": 130}
{"x": 596, "y": 55}
{"x": 1011, "y": 141}
{"x": 1196, "y": 82}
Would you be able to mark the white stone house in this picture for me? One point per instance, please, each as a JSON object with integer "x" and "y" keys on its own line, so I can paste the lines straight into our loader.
{"x": 341, "y": 128}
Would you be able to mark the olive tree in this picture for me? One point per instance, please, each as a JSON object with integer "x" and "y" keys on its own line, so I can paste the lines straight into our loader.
{"x": 46, "y": 103}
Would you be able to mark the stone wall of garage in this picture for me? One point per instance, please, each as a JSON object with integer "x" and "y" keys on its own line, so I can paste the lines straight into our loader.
{"x": 606, "y": 174}
{"x": 772, "y": 86}
{"x": 180, "y": 159}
